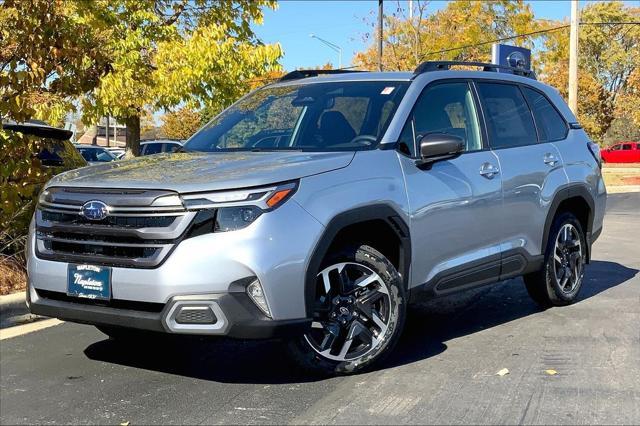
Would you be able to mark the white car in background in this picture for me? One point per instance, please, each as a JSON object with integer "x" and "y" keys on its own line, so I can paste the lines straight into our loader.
{"x": 95, "y": 154}
{"x": 117, "y": 151}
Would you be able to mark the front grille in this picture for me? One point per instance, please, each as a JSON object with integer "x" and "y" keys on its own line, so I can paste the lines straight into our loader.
{"x": 114, "y": 303}
{"x": 139, "y": 236}
{"x": 135, "y": 222}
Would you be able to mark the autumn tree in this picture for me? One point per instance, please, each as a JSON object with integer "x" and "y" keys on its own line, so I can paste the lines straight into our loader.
{"x": 609, "y": 67}
{"x": 167, "y": 53}
{"x": 408, "y": 42}
{"x": 181, "y": 124}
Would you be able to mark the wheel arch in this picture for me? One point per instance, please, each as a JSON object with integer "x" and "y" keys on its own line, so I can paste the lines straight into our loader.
{"x": 352, "y": 224}
{"x": 575, "y": 199}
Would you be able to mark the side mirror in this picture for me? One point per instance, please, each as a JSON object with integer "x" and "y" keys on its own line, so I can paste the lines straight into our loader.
{"x": 439, "y": 146}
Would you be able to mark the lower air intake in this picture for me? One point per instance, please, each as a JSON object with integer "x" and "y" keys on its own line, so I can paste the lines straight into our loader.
{"x": 195, "y": 315}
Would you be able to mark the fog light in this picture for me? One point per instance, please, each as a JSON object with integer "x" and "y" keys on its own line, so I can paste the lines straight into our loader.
{"x": 257, "y": 295}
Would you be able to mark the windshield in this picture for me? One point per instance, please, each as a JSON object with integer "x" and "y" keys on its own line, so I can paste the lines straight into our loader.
{"x": 96, "y": 155}
{"x": 312, "y": 117}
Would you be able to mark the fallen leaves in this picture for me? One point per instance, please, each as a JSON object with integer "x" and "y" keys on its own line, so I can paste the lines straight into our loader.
{"x": 551, "y": 372}
{"x": 503, "y": 372}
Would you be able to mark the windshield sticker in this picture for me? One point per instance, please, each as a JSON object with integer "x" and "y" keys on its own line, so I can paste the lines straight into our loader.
{"x": 387, "y": 90}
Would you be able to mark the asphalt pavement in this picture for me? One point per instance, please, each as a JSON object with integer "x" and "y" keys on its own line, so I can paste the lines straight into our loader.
{"x": 443, "y": 370}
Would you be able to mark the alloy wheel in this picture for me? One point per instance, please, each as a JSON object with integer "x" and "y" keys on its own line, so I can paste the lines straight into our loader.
{"x": 352, "y": 312}
{"x": 568, "y": 255}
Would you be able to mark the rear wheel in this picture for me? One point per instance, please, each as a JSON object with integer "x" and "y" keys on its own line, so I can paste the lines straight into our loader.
{"x": 359, "y": 313}
{"x": 560, "y": 279}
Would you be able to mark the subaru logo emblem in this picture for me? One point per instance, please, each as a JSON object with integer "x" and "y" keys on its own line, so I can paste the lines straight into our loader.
{"x": 94, "y": 210}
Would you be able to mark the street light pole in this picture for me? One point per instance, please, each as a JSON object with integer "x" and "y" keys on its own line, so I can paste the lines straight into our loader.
{"x": 380, "y": 14}
{"x": 332, "y": 46}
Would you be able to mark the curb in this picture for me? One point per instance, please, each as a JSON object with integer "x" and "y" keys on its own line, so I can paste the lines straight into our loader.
{"x": 13, "y": 310}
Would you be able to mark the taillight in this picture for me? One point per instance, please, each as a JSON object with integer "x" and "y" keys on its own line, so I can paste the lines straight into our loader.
{"x": 594, "y": 149}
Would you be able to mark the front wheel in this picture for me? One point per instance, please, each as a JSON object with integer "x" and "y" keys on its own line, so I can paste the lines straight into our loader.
{"x": 359, "y": 313}
{"x": 560, "y": 279}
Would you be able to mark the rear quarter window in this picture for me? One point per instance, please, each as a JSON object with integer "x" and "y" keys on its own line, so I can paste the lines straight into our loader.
{"x": 550, "y": 124}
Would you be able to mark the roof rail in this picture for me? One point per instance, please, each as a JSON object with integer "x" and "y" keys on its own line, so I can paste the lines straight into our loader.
{"x": 445, "y": 65}
{"x": 298, "y": 74}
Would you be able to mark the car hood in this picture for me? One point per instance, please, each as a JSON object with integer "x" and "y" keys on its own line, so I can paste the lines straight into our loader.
{"x": 198, "y": 171}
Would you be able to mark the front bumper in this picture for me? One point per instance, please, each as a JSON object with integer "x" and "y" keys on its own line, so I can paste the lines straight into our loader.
{"x": 235, "y": 315}
{"x": 212, "y": 268}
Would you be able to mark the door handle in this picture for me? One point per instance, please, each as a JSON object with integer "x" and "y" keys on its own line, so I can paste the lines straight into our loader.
{"x": 488, "y": 170}
{"x": 550, "y": 159}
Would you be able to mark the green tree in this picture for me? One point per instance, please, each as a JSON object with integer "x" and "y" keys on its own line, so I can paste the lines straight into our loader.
{"x": 167, "y": 53}
{"x": 48, "y": 56}
{"x": 622, "y": 129}
{"x": 181, "y": 124}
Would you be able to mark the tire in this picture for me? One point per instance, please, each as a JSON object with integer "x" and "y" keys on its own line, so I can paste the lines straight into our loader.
{"x": 559, "y": 281}
{"x": 360, "y": 305}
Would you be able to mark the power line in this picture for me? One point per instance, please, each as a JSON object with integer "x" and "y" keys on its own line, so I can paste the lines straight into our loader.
{"x": 547, "y": 30}
{"x": 494, "y": 41}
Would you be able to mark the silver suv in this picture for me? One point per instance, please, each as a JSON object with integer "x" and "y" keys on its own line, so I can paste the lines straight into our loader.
{"x": 318, "y": 207}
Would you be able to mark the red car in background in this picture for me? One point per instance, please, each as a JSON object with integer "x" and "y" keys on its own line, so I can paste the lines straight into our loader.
{"x": 622, "y": 152}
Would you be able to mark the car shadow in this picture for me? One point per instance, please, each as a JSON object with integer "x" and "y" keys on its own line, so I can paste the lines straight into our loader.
{"x": 429, "y": 326}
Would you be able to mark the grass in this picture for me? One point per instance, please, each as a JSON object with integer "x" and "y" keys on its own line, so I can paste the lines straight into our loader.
{"x": 13, "y": 276}
{"x": 615, "y": 175}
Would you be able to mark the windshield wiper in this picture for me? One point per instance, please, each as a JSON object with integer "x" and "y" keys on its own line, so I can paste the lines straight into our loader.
{"x": 274, "y": 149}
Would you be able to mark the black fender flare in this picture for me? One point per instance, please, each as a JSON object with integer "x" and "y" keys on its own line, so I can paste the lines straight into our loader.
{"x": 354, "y": 216}
{"x": 570, "y": 191}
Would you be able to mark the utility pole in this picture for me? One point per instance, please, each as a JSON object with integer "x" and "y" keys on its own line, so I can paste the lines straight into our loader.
{"x": 106, "y": 128}
{"x": 380, "y": 14}
{"x": 410, "y": 9}
{"x": 573, "y": 57}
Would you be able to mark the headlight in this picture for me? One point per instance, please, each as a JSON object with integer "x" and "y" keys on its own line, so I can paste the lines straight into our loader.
{"x": 42, "y": 198}
{"x": 233, "y": 218}
{"x": 232, "y": 210}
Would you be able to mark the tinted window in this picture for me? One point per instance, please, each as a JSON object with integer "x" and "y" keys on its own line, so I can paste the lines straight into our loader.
{"x": 551, "y": 126}
{"x": 626, "y": 147}
{"x": 445, "y": 108}
{"x": 170, "y": 147}
{"x": 616, "y": 148}
{"x": 95, "y": 154}
{"x": 57, "y": 153}
{"x": 152, "y": 148}
{"x": 509, "y": 119}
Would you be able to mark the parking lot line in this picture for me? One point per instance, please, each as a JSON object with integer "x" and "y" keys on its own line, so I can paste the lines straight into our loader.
{"x": 19, "y": 330}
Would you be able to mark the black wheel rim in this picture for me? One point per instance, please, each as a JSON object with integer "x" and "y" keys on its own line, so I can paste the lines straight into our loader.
{"x": 568, "y": 258}
{"x": 352, "y": 312}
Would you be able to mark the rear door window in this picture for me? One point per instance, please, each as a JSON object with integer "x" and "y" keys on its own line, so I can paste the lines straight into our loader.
{"x": 170, "y": 147}
{"x": 152, "y": 148}
{"x": 550, "y": 124}
{"x": 509, "y": 120}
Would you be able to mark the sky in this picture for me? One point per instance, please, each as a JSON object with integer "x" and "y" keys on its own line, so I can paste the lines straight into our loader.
{"x": 345, "y": 23}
